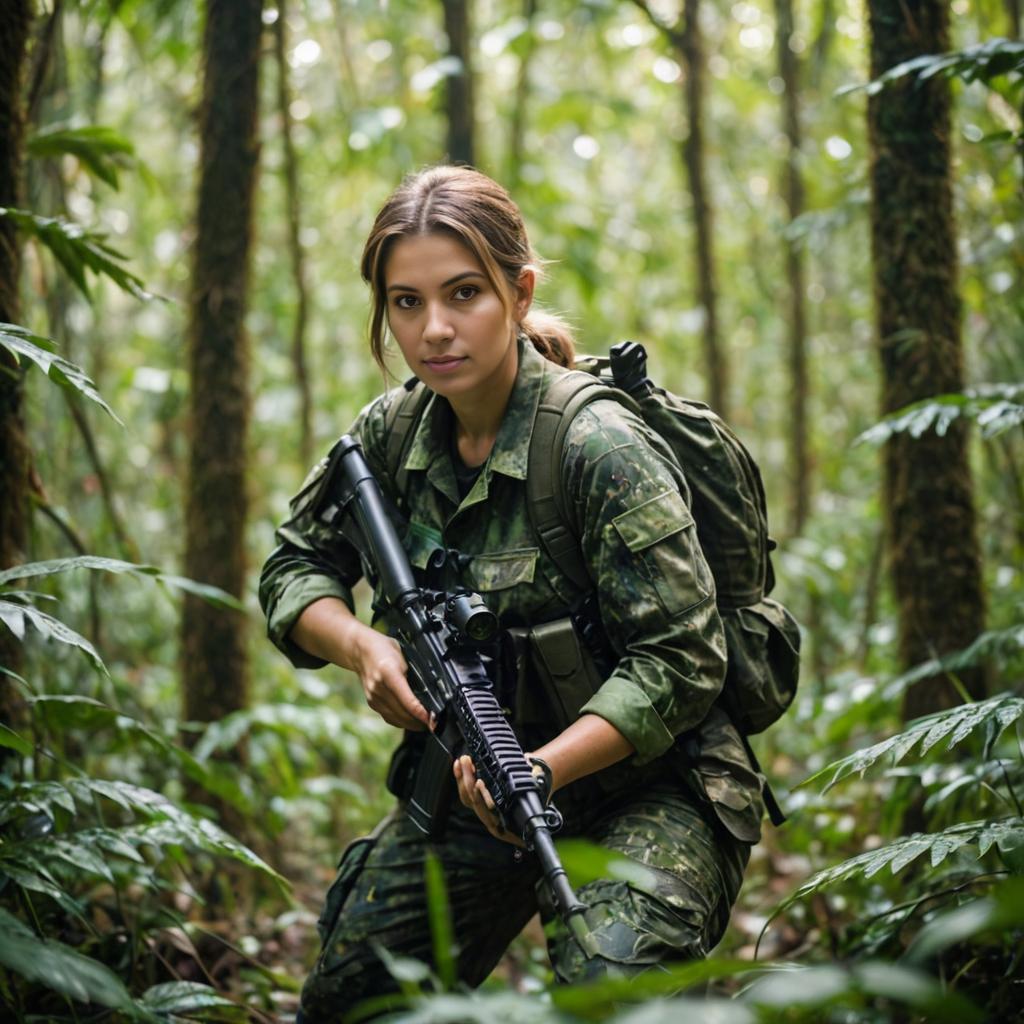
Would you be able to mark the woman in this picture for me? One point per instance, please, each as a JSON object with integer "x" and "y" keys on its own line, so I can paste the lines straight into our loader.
{"x": 641, "y": 761}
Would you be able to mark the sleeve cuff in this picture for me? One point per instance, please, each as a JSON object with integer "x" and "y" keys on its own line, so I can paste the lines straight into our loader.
{"x": 296, "y": 597}
{"x": 625, "y": 705}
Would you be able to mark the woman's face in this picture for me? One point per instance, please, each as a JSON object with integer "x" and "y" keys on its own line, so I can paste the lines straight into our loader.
{"x": 454, "y": 331}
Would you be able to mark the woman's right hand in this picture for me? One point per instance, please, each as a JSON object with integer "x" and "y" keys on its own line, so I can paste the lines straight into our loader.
{"x": 381, "y": 669}
{"x": 329, "y": 630}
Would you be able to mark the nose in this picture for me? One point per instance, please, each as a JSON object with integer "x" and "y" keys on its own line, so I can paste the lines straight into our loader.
{"x": 437, "y": 327}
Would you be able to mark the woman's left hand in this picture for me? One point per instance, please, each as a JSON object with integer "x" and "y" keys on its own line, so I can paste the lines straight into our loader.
{"x": 474, "y": 795}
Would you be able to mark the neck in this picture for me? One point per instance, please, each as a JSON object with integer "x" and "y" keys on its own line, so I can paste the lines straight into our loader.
{"x": 478, "y": 418}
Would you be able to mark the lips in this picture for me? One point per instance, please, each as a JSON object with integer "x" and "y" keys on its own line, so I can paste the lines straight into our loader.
{"x": 446, "y": 364}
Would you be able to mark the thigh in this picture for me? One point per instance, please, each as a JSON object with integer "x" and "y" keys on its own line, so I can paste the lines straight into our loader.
{"x": 680, "y": 912}
{"x": 379, "y": 899}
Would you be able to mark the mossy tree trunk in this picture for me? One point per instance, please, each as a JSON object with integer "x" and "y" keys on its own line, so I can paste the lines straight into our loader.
{"x": 14, "y": 453}
{"x": 459, "y": 85}
{"x": 215, "y": 673}
{"x": 793, "y": 193}
{"x": 933, "y": 548}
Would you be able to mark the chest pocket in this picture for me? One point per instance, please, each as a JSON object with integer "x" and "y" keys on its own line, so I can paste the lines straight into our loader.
{"x": 500, "y": 571}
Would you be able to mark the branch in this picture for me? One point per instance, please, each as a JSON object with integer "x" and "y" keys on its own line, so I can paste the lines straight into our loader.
{"x": 675, "y": 34}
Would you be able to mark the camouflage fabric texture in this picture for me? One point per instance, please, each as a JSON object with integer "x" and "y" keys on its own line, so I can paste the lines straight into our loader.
{"x": 677, "y": 912}
{"x": 658, "y": 612}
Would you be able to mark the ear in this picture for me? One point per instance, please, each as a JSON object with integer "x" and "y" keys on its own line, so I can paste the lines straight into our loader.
{"x": 523, "y": 293}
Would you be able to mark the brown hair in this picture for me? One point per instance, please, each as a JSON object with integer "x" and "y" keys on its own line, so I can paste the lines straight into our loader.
{"x": 480, "y": 214}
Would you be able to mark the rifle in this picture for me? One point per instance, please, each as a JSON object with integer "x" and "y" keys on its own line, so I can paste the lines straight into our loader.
{"x": 441, "y": 634}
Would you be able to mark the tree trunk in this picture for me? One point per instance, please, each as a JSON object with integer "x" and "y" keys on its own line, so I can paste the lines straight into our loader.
{"x": 793, "y": 192}
{"x": 215, "y": 673}
{"x": 517, "y": 125}
{"x": 459, "y": 85}
{"x": 690, "y": 45}
{"x": 935, "y": 559}
{"x": 14, "y": 453}
{"x": 300, "y": 360}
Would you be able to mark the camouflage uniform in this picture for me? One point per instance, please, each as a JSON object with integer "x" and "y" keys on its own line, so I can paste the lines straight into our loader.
{"x": 690, "y": 810}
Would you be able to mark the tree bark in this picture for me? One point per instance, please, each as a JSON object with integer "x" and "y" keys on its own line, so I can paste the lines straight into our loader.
{"x": 14, "y": 452}
{"x": 215, "y": 676}
{"x": 517, "y": 125}
{"x": 931, "y": 523}
{"x": 687, "y": 41}
{"x": 300, "y": 360}
{"x": 691, "y": 50}
{"x": 459, "y": 86}
{"x": 793, "y": 192}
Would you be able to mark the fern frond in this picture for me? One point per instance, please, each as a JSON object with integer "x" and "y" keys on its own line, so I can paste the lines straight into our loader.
{"x": 995, "y": 407}
{"x": 78, "y": 250}
{"x": 1005, "y": 834}
{"x": 957, "y": 723}
{"x": 998, "y": 645}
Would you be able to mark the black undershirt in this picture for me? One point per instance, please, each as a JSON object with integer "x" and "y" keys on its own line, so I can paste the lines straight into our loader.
{"x": 465, "y": 476}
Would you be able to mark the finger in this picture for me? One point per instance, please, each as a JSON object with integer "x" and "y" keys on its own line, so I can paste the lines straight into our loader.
{"x": 485, "y": 796}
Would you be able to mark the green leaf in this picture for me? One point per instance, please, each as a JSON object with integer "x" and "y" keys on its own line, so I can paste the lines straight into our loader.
{"x": 30, "y": 570}
{"x": 1000, "y": 645}
{"x": 78, "y": 250}
{"x": 15, "y": 617}
{"x": 71, "y": 711}
{"x": 99, "y": 148}
{"x": 896, "y": 855}
{"x": 440, "y": 916}
{"x": 26, "y": 345}
{"x": 59, "y": 967}
{"x": 982, "y": 62}
{"x": 12, "y": 741}
{"x": 997, "y": 712}
{"x": 183, "y": 997}
{"x": 1001, "y": 910}
{"x": 586, "y": 862}
{"x": 805, "y": 987}
{"x": 996, "y": 408}
{"x": 592, "y": 997}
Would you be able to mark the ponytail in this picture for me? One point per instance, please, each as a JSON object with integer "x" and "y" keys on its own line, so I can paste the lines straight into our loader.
{"x": 551, "y": 336}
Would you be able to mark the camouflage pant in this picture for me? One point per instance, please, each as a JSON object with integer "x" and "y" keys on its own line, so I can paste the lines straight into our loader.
{"x": 379, "y": 897}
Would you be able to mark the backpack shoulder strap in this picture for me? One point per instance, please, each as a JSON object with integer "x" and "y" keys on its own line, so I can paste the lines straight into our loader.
{"x": 563, "y": 398}
{"x": 400, "y": 421}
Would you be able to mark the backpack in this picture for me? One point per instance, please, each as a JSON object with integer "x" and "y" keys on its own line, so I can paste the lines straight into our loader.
{"x": 727, "y": 502}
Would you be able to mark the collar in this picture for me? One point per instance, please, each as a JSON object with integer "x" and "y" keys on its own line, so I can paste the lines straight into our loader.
{"x": 510, "y": 454}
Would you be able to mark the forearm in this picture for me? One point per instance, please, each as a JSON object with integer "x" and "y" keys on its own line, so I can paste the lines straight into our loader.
{"x": 588, "y": 745}
{"x": 327, "y": 629}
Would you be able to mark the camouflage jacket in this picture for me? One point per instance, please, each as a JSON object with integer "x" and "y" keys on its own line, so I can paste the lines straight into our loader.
{"x": 654, "y": 589}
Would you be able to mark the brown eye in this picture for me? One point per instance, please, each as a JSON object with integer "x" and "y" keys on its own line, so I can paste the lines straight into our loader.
{"x": 465, "y": 292}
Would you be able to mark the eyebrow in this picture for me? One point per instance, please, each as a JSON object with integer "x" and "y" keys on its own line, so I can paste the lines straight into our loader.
{"x": 444, "y": 284}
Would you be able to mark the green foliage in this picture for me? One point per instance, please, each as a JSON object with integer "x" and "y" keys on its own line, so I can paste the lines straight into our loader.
{"x": 58, "y": 966}
{"x": 995, "y": 407}
{"x": 30, "y": 348}
{"x": 78, "y": 250}
{"x": 983, "y": 62}
{"x": 994, "y": 715}
{"x": 100, "y": 148}
{"x": 16, "y": 613}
